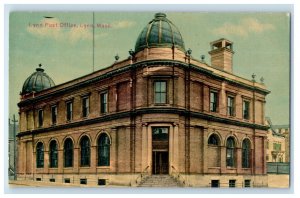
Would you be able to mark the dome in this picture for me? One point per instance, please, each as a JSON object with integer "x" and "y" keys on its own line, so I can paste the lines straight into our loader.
{"x": 37, "y": 81}
{"x": 160, "y": 32}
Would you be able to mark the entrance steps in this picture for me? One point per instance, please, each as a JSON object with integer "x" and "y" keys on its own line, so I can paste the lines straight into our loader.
{"x": 159, "y": 181}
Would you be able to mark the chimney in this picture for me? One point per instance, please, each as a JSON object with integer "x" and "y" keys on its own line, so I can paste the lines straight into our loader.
{"x": 221, "y": 54}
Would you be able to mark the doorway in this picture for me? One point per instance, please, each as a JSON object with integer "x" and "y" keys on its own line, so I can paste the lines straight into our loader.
{"x": 160, "y": 150}
{"x": 160, "y": 162}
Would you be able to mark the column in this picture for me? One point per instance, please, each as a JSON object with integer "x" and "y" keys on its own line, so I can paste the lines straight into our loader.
{"x": 149, "y": 154}
{"x": 171, "y": 148}
{"x": 223, "y": 159}
{"x": 93, "y": 160}
{"x": 60, "y": 160}
{"x": 144, "y": 146}
{"x": 204, "y": 150}
{"x": 238, "y": 160}
{"x": 76, "y": 160}
{"x": 175, "y": 146}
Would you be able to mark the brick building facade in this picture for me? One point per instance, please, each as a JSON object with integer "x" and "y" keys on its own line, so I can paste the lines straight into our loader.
{"x": 158, "y": 112}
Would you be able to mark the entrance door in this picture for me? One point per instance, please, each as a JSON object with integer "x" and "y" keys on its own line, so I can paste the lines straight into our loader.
{"x": 160, "y": 162}
{"x": 160, "y": 150}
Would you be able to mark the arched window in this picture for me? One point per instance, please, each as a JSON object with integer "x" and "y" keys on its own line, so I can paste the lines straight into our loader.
{"x": 213, "y": 140}
{"x": 40, "y": 155}
{"x": 85, "y": 151}
{"x": 68, "y": 153}
{"x": 53, "y": 154}
{"x": 103, "y": 150}
{"x": 246, "y": 153}
{"x": 230, "y": 152}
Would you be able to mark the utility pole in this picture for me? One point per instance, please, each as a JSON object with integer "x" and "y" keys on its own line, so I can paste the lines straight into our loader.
{"x": 15, "y": 147}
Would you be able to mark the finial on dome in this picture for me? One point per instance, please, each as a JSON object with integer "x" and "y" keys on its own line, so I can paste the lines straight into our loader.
{"x": 160, "y": 15}
{"x": 40, "y": 68}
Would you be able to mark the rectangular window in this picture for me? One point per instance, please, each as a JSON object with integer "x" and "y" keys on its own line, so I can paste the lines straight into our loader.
{"x": 38, "y": 179}
{"x": 85, "y": 107}
{"x": 213, "y": 101}
{"x": 103, "y": 102}
{"x": 41, "y": 117}
{"x": 230, "y": 106}
{"x": 232, "y": 183}
{"x": 215, "y": 183}
{"x": 276, "y": 147}
{"x": 67, "y": 180}
{"x": 54, "y": 114}
{"x": 101, "y": 182}
{"x": 69, "y": 111}
{"x": 160, "y": 92}
{"x": 246, "y": 105}
{"x": 247, "y": 183}
{"x": 83, "y": 181}
{"x": 52, "y": 180}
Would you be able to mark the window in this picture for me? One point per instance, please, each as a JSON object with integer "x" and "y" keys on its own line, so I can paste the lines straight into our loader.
{"x": 85, "y": 107}
{"x": 54, "y": 114}
{"x": 246, "y": 105}
{"x": 67, "y": 180}
{"x": 41, "y": 117}
{"x": 85, "y": 151}
{"x": 247, "y": 183}
{"x": 40, "y": 155}
{"x": 53, "y": 154}
{"x": 230, "y": 106}
{"x": 246, "y": 152}
{"x": 160, "y": 92}
{"x": 38, "y": 179}
{"x": 230, "y": 152}
{"x": 213, "y": 140}
{"x": 231, "y": 183}
{"x": 69, "y": 111}
{"x": 276, "y": 147}
{"x": 68, "y": 153}
{"x": 83, "y": 181}
{"x": 103, "y": 102}
{"x": 160, "y": 134}
{"x": 213, "y": 101}
{"x": 215, "y": 183}
{"x": 52, "y": 180}
{"x": 101, "y": 182}
{"x": 103, "y": 150}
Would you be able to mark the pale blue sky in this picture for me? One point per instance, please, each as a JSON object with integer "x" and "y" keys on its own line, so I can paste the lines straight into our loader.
{"x": 261, "y": 45}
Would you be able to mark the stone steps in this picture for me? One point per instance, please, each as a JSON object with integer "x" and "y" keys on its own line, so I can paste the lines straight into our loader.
{"x": 159, "y": 181}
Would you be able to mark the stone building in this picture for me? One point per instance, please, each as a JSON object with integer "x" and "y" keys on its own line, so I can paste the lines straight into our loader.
{"x": 278, "y": 143}
{"x": 160, "y": 111}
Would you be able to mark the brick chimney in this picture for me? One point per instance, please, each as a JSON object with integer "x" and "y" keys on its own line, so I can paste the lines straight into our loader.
{"x": 221, "y": 54}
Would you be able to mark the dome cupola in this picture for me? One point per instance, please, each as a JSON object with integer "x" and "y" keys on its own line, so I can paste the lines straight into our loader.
{"x": 37, "y": 81}
{"x": 160, "y": 32}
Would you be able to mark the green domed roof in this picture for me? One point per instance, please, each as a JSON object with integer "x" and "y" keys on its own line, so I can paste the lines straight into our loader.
{"x": 37, "y": 81}
{"x": 160, "y": 32}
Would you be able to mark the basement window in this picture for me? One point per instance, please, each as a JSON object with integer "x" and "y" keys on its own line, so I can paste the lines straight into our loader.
{"x": 67, "y": 180}
{"x": 215, "y": 183}
{"x": 52, "y": 180}
{"x": 83, "y": 181}
{"x": 38, "y": 179}
{"x": 101, "y": 182}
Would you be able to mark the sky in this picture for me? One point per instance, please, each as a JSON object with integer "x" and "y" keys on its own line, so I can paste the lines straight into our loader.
{"x": 261, "y": 41}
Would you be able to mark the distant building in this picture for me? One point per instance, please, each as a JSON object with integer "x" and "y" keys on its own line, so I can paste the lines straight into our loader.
{"x": 159, "y": 111}
{"x": 278, "y": 143}
{"x": 11, "y": 151}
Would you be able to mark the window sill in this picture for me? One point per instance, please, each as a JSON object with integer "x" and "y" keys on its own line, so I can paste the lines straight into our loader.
{"x": 53, "y": 168}
{"x": 84, "y": 167}
{"x": 231, "y": 168}
{"x": 70, "y": 168}
{"x": 103, "y": 167}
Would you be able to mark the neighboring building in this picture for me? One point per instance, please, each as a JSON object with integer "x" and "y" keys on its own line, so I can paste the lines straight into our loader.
{"x": 160, "y": 111}
{"x": 278, "y": 145}
{"x": 11, "y": 150}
